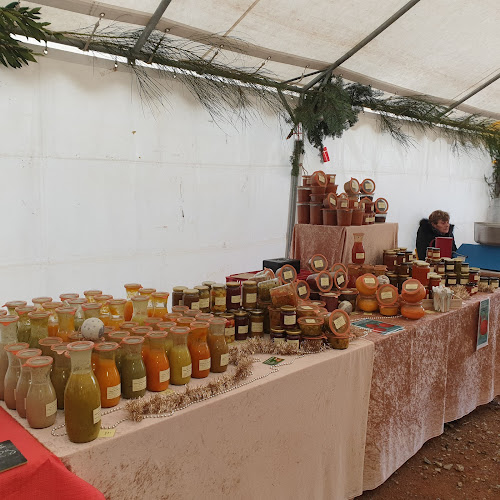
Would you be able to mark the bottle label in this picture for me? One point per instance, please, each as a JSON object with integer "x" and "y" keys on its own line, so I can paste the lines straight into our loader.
{"x": 195, "y": 305}
{"x": 386, "y": 295}
{"x": 204, "y": 303}
{"x": 251, "y": 298}
{"x": 339, "y": 322}
{"x": 324, "y": 281}
{"x": 220, "y": 301}
{"x": 360, "y": 256}
{"x": 186, "y": 371}
{"x": 288, "y": 275}
{"x": 138, "y": 384}
{"x": 293, "y": 342}
{"x": 452, "y": 281}
{"x": 319, "y": 263}
{"x": 370, "y": 281}
{"x": 243, "y": 329}
{"x": 165, "y": 375}
{"x": 278, "y": 340}
{"x": 290, "y": 320}
{"x": 224, "y": 359}
{"x": 235, "y": 299}
{"x": 113, "y": 392}
{"x": 229, "y": 332}
{"x": 257, "y": 327}
{"x": 51, "y": 408}
{"x": 411, "y": 286}
{"x": 204, "y": 364}
{"x": 96, "y": 414}
{"x": 302, "y": 290}
{"x": 340, "y": 279}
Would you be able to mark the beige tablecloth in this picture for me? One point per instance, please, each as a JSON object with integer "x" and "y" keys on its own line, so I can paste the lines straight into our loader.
{"x": 426, "y": 375}
{"x": 298, "y": 433}
{"x": 335, "y": 242}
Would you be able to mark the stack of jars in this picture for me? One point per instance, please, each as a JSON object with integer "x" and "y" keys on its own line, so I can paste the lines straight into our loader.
{"x": 412, "y": 294}
{"x": 367, "y": 286}
{"x": 399, "y": 263}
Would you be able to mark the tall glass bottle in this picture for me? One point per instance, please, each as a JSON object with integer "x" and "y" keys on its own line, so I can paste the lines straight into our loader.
{"x": 132, "y": 290}
{"x": 147, "y": 292}
{"x": 117, "y": 337}
{"x": 11, "y": 305}
{"x": 41, "y": 400}
{"x": 39, "y": 301}
{"x": 53, "y": 324}
{"x": 179, "y": 357}
{"x": 79, "y": 317}
{"x": 219, "y": 350}
{"x": 90, "y": 295}
{"x": 198, "y": 349}
{"x": 68, "y": 296}
{"x": 133, "y": 368}
{"x": 82, "y": 397}
{"x": 157, "y": 366}
{"x": 107, "y": 374}
{"x": 12, "y": 373}
{"x": 140, "y": 306}
{"x": 358, "y": 251}
{"x": 39, "y": 327}
{"x": 117, "y": 311}
{"x": 160, "y": 300}
{"x": 24, "y": 323}
{"x": 60, "y": 371}
{"x": 46, "y": 345}
{"x": 66, "y": 319}
{"x": 24, "y": 380}
{"x": 142, "y": 331}
{"x": 91, "y": 310}
{"x": 104, "y": 315}
{"x": 8, "y": 335}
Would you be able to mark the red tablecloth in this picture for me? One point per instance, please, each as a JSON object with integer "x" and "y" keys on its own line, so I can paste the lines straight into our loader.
{"x": 44, "y": 476}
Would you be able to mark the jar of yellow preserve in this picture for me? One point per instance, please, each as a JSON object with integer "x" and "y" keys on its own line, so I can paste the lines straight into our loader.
{"x": 179, "y": 356}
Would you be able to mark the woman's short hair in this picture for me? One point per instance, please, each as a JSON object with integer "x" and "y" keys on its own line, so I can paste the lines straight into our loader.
{"x": 438, "y": 215}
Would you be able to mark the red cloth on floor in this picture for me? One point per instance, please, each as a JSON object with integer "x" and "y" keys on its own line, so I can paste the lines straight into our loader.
{"x": 44, "y": 476}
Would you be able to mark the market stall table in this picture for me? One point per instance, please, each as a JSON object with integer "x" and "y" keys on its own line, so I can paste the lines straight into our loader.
{"x": 424, "y": 376}
{"x": 296, "y": 433}
{"x": 335, "y": 242}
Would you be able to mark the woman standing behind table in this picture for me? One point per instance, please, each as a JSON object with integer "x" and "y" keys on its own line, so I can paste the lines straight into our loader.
{"x": 438, "y": 224}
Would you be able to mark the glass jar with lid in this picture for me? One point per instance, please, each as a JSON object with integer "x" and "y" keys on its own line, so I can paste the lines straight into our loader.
{"x": 451, "y": 279}
{"x": 209, "y": 285}
{"x": 233, "y": 296}
{"x": 41, "y": 400}
{"x": 66, "y": 322}
{"x": 133, "y": 374}
{"x": 219, "y": 350}
{"x": 82, "y": 396}
{"x": 249, "y": 294}
{"x": 288, "y": 317}
{"x": 264, "y": 289}
{"x": 24, "y": 379}
{"x": 229, "y": 331}
{"x": 61, "y": 369}
{"x": 256, "y": 323}
{"x": 204, "y": 294}
{"x": 132, "y": 289}
{"x": 157, "y": 366}
{"x": 177, "y": 295}
{"x": 12, "y": 373}
{"x": 191, "y": 298}
{"x": 277, "y": 335}
{"x": 140, "y": 309}
{"x": 39, "y": 326}
{"x": 198, "y": 348}
{"x": 179, "y": 357}
{"x": 241, "y": 324}
{"x": 218, "y": 297}
{"x": 293, "y": 337}
{"x": 24, "y": 324}
{"x": 107, "y": 374}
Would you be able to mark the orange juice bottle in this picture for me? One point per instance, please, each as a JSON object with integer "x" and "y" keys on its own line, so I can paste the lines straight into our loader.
{"x": 160, "y": 304}
{"x": 53, "y": 320}
{"x": 132, "y": 290}
{"x": 104, "y": 315}
{"x": 157, "y": 366}
{"x": 142, "y": 331}
{"x": 107, "y": 374}
{"x": 117, "y": 310}
{"x": 90, "y": 295}
{"x": 147, "y": 292}
{"x": 198, "y": 348}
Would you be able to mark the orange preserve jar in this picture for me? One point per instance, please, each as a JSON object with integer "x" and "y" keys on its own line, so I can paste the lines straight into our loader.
{"x": 199, "y": 350}
{"x": 160, "y": 300}
{"x": 148, "y": 292}
{"x": 107, "y": 374}
{"x": 358, "y": 251}
{"x": 90, "y": 295}
{"x": 157, "y": 365}
{"x": 117, "y": 312}
{"x": 132, "y": 290}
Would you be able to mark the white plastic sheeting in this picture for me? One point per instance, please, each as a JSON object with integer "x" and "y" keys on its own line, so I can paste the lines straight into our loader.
{"x": 98, "y": 192}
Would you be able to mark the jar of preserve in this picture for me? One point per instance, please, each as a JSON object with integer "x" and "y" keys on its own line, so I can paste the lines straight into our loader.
{"x": 484, "y": 280}
{"x": 249, "y": 294}
{"x": 107, "y": 374}
{"x": 204, "y": 298}
{"x": 191, "y": 298}
{"x": 179, "y": 357}
{"x": 118, "y": 336}
{"x": 392, "y": 310}
{"x": 317, "y": 263}
{"x": 90, "y": 295}
{"x": 401, "y": 279}
{"x": 233, "y": 296}
{"x": 331, "y": 300}
{"x": 303, "y": 213}
{"x": 367, "y": 303}
{"x": 379, "y": 270}
{"x": 393, "y": 279}
{"x": 198, "y": 348}
{"x": 412, "y": 291}
{"x": 41, "y": 400}
{"x": 457, "y": 265}
{"x": 12, "y": 373}
{"x": 315, "y": 216}
{"x": 218, "y": 293}
{"x": 264, "y": 289}
{"x": 471, "y": 287}
{"x": 142, "y": 331}
{"x": 277, "y": 335}
{"x": 140, "y": 309}
{"x": 288, "y": 317}
{"x": 434, "y": 280}
{"x": 349, "y": 294}
{"x": 311, "y": 326}
{"x": 66, "y": 322}
{"x": 440, "y": 268}
{"x": 159, "y": 300}
{"x": 131, "y": 289}
{"x": 219, "y": 350}
{"x": 209, "y": 285}
{"x": 241, "y": 324}
{"x": 293, "y": 338}
{"x": 412, "y": 311}
{"x": 494, "y": 282}
{"x": 24, "y": 380}
{"x": 229, "y": 329}
{"x": 177, "y": 295}
{"x": 61, "y": 369}
{"x": 387, "y": 295}
{"x": 306, "y": 180}
{"x": 320, "y": 282}
{"x": 358, "y": 251}
{"x": 116, "y": 312}
{"x": 274, "y": 317}
{"x": 133, "y": 369}
{"x": 24, "y": 324}
{"x": 306, "y": 310}
{"x": 390, "y": 259}
{"x": 339, "y": 323}
{"x": 473, "y": 276}
{"x": 344, "y": 215}
{"x": 256, "y": 323}
{"x": 286, "y": 274}
{"x": 39, "y": 327}
{"x": 464, "y": 279}
{"x": 451, "y": 279}
{"x": 157, "y": 365}
{"x": 302, "y": 289}
{"x": 285, "y": 295}
{"x": 367, "y": 284}
{"x": 421, "y": 271}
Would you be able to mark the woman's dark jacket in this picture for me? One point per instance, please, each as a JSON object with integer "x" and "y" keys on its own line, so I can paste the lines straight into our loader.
{"x": 426, "y": 233}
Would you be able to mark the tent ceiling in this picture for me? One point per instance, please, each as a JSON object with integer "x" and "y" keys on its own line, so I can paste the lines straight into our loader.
{"x": 441, "y": 48}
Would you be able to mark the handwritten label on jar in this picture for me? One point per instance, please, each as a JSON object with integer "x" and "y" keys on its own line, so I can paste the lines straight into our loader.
{"x": 229, "y": 332}
{"x": 204, "y": 364}
{"x": 360, "y": 255}
{"x": 181, "y": 302}
{"x": 289, "y": 320}
{"x": 288, "y": 275}
{"x": 165, "y": 375}
{"x": 138, "y": 384}
{"x": 195, "y": 305}
{"x": 370, "y": 281}
{"x": 113, "y": 392}
{"x": 319, "y": 263}
{"x": 381, "y": 205}
{"x": 257, "y": 327}
{"x": 339, "y": 322}
{"x": 51, "y": 408}
{"x": 251, "y": 298}
{"x": 386, "y": 295}
{"x": 411, "y": 286}
{"x": 293, "y": 342}
{"x": 204, "y": 303}
{"x": 324, "y": 281}
{"x": 243, "y": 329}
{"x": 344, "y": 204}
{"x": 452, "y": 281}
{"x": 278, "y": 340}
{"x": 220, "y": 301}
{"x": 186, "y": 371}
{"x": 340, "y": 279}
{"x": 368, "y": 186}
{"x": 321, "y": 179}
{"x": 235, "y": 299}
{"x": 96, "y": 414}
{"x": 310, "y": 320}
{"x": 224, "y": 359}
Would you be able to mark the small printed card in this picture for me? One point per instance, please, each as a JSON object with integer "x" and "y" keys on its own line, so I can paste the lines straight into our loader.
{"x": 377, "y": 326}
{"x": 10, "y": 456}
{"x": 483, "y": 324}
{"x": 273, "y": 361}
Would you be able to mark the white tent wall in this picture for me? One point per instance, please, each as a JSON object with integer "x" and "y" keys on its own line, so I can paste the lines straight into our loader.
{"x": 99, "y": 192}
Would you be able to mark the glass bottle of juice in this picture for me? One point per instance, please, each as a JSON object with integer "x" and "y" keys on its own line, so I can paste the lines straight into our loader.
{"x": 79, "y": 316}
{"x": 218, "y": 297}
{"x": 117, "y": 311}
{"x": 128, "y": 325}
{"x": 61, "y": 370}
{"x": 142, "y": 331}
{"x": 165, "y": 326}
{"x": 160, "y": 300}
{"x": 24, "y": 323}
{"x": 147, "y": 292}
{"x": 53, "y": 323}
{"x": 39, "y": 301}
{"x": 107, "y": 374}
{"x": 11, "y": 306}
{"x": 140, "y": 309}
{"x": 133, "y": 368}
{"x": 12, "y": 373}
{"x": 152, "y": 322}
{"x": 157, "y": 366}
{"x": 46, "y": 344}
{"x": 82, "y": 396}
{"x": 132, "y": 290}
{"x": 219, "y": 350}
{"x": 39, "y": 327}
{"x": 24, "y": 380}
{"x": 198, "y": 348}
{"x": 91, "y": 309}
{"x": 67, "y": 296}
{"x": 104, "y": 315}
{"x": 41, "y": 400}
{"x": 179, "y": 357}
{"x": 117, "y": 337}
{"x": 90, "y": 295}
{"x": 66, "y": 320}
{"x": 358, "y": 251}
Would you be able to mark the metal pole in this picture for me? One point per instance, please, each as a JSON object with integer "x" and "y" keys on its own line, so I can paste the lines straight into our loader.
{"x": 292, "y": 206}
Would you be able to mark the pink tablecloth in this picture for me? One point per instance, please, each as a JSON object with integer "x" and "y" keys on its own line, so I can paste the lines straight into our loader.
{"x": 298, "y": 433}
{"x": 426, "y": 375}
{"x": 335, "y": 242}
